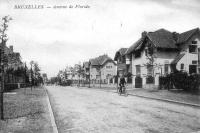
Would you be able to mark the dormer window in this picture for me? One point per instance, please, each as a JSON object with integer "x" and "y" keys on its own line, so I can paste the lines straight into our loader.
{"x": 192, "y": 48}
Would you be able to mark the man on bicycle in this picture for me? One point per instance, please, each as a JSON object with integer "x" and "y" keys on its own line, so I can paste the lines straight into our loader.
{"x": 122, "y": 83}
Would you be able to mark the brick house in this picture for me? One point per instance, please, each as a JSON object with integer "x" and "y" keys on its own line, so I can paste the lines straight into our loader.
{"x": 103, "y": 69}
{"x": 161, "y": 52}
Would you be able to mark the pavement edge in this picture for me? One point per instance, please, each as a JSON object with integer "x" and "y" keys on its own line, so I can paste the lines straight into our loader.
{"x": 167, "y": 100}
{"x": 53, "y": 123}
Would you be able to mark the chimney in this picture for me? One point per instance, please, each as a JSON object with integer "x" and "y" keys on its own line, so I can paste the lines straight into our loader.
{"x": 11, "y": 48}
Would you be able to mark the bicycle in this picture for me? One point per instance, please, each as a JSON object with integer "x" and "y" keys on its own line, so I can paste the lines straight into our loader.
{"x": 122, "y": 91}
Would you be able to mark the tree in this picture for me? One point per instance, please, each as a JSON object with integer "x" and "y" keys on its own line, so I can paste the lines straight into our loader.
{"x": 79, "y": 71}
{"x": 151, "y": 64}
{"x": 3, "y": 38}
{"x": 35, "y": 73}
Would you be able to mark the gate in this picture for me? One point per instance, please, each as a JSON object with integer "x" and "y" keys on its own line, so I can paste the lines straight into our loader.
{"x": 138, "y": 82}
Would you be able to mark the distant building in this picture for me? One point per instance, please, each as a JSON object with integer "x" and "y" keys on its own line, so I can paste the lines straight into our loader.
{"x": 86, "y": 68}
{"x": 103, "y": 69}
{"x": 124, "y": 67}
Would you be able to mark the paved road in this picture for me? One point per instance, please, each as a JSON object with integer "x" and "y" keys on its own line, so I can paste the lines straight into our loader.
{"x": 79, "y": 110}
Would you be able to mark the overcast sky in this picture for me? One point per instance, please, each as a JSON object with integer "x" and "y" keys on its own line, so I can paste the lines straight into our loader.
{"x": 56, "y": 38}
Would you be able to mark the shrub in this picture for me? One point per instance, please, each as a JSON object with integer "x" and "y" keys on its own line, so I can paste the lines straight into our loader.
{"x": 180, "y": 80}
{"x": 149, "y": 79}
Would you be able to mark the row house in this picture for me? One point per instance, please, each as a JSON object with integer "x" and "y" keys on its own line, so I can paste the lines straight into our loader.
{"x": 162, "y": 52}
{"x": 102, "y": 69}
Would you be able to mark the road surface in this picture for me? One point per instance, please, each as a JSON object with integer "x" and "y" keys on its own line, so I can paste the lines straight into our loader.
{"x": 87, "y": 110}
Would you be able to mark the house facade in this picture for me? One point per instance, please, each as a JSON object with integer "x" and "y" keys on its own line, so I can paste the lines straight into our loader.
{"x": 16, "y": 70}
{"x": 188, "y": 59}
{"x": 102, "y": 69}
{"x": 124, "y": 67}
{"x": 162, "y": 52}
{"x": 86, "y": 69}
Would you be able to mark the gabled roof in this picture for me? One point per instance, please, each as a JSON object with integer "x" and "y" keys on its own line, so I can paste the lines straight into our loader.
{"x": 162, "y": 39}
{"x": 134, "y": 46}
{"x": 177, "y": 58}
{"x": 183, "y": 37}
{"x": 86, "y": 64}
{"x": 120, "y": 52}
{"x": 101, "y": 60}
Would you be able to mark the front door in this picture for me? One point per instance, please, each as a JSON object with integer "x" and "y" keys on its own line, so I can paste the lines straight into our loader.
{"x": 138, "y": 82}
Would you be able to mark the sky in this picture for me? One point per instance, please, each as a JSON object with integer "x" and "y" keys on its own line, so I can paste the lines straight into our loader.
{"x": 56, "y": 38}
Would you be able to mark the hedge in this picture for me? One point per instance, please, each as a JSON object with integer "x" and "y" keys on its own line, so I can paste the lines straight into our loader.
{"x": 180, "y": 80}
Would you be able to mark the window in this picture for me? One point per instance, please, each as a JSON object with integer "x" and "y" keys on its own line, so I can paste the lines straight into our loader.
{"x": 192, "y": 48}
{"x": 150, "y": 70}
{"x": 108, "y": 67}
{"x": 138, "y": 70}
{"x": 182, "y": 66}
{"x": 166, "y": 68}
{"x": 194, "y": 42}
{"x": 146, "y": 52}
{"x": 194, "y": 62}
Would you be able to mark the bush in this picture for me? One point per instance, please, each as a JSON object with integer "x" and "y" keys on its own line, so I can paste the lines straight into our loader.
{"x": 66, "y": 83}
{"x": 149, "y": 79}
{"x": 180, "y": 80}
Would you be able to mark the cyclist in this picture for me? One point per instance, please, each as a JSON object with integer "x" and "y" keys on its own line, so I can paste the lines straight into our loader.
{"x": 122, "y": 83}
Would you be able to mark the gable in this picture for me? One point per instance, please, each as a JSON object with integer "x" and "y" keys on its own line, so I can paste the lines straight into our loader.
{"x": 185, "y": 36}
{"x": 108, "y": 61}
{"x": 160, "y": 39}
{"x": 195, "y": 37}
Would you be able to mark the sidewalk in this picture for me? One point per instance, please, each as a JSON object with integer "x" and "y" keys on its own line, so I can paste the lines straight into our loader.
{"x": 26, "y": 111}
{"x": 165, "y": 95}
